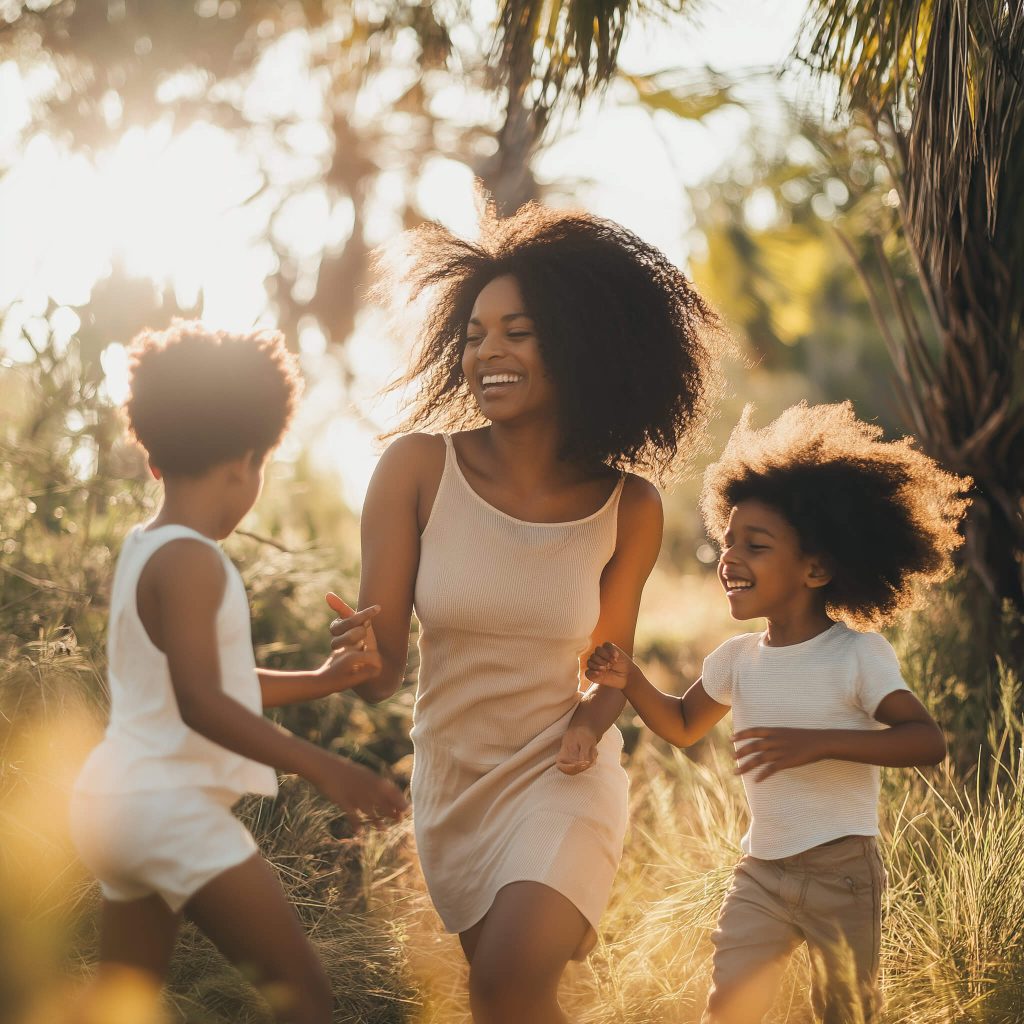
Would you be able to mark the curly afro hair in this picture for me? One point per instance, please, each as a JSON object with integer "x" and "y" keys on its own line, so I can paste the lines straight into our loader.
{"x": 883, "y": 515}
{"x": 199, "y": 397}
{"x": 613, "y": 317}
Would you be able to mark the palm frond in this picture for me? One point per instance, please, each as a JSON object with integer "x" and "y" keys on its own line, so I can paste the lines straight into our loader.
{"x": 942, "y": 84}
{"x": 563, "y": 48}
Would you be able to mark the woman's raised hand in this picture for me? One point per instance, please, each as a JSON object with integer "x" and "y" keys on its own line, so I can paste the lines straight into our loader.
{"x": 609, "y": 666}
{"x": 352, "y": 630}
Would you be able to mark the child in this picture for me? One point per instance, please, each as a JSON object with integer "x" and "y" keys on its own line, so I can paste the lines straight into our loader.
{"x": 151, "y": 809}
{"x": 820, "y": 523}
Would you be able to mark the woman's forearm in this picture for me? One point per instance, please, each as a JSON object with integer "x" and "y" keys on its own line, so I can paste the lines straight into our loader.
{"x": 598, "y": 710}
{"x": 388, "y": 682}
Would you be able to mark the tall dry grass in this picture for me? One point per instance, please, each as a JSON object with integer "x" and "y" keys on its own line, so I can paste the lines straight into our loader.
{"x": 953, "y": 943}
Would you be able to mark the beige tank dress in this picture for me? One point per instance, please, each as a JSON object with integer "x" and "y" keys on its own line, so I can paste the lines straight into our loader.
{"x": 506, "y": 608}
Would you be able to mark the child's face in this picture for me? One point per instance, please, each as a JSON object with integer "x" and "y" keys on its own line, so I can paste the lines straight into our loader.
{"x": 762, "y": 568}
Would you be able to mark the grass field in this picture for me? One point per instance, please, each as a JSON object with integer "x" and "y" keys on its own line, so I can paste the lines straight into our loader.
{"x": 953, "y": 949}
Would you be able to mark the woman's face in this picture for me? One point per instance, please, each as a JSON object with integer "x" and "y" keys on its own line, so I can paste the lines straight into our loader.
{"x": 501, "y": 358}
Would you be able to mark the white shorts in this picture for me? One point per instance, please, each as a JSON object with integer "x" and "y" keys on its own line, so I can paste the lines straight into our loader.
{"x": 167, "y": 842}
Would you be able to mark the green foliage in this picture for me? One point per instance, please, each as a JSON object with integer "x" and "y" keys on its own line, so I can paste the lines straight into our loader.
{"x": 954, "y": 840}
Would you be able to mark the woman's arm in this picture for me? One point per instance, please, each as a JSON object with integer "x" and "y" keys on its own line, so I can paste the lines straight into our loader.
{"x": 679, "y": 720}
{"x": 398, "y": 502}
{"x": 638, "y": 542}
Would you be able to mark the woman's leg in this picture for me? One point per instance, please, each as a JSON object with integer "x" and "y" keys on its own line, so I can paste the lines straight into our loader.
{"x": 136, "y": 941}
{"x": 246, "y": 915}
{"x": 518, "y": 952}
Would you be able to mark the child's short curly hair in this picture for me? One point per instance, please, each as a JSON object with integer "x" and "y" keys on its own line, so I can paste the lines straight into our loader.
{"x": 882, "y": 514}
{"x": 199, "y": 397}
{"x": 632, "y": 348}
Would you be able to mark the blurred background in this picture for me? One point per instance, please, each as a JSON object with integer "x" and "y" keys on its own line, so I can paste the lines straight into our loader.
{"x": 844, "y": 182}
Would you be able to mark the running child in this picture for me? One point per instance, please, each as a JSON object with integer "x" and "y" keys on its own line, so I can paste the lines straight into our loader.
{"x": 151, "y": 809}
{"x": 825, "y": 530}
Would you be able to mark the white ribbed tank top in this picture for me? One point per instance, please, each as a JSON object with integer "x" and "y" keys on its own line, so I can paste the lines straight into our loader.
{"x": 146, "y": 745}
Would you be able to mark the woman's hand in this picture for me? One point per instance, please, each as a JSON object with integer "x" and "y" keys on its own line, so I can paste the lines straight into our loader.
{"x": 352, "y": 631}
{"x": 578, "y": 751}
{"x": 357, "y": 791}
{"x": 609, "y": 666}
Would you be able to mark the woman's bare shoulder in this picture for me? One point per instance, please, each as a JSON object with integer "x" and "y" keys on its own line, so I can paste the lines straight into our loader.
{"x": 413, "y": 454}
{"x": 640, "y": 497}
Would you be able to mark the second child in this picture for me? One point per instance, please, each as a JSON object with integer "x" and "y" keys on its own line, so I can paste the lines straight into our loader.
{"x": 822, "y": 526}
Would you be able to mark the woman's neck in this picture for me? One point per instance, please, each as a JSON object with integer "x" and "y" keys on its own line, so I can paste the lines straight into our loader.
{"x": 526, "y": 454}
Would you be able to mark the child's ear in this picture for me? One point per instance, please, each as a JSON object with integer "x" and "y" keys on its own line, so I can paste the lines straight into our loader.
{"x": 240, "y": 468}
{"x": 818, "y": 573}
{"x": 155, "y": 471}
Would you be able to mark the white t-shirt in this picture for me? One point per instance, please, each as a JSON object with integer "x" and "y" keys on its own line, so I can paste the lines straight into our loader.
{"x": 835, "y": 680}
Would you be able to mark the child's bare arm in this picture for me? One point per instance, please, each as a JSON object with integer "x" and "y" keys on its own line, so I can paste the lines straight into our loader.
{"x": 912, "y": 739}
{"x": 343, "y": 670}
{"x": 186, "y": 580}
{"x": 679, "y": 720}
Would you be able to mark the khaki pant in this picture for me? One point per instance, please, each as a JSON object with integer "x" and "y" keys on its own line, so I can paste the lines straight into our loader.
{"x": 829, "y": 897}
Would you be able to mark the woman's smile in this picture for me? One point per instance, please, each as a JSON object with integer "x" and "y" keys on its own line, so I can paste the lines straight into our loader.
{"x": 494, "y": 383}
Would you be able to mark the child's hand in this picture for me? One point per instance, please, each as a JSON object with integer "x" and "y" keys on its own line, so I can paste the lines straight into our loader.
{"x": 578, "y": 751}
{"x": 352, "y": 631}
{"x": 361, "y": 794}
{"x": 774, "y": 750}
{"x": 345, "y": 669}
{"x": 609, "y": 666}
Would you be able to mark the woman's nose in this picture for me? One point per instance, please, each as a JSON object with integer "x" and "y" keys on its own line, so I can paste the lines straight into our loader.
{"x": 491, "y": 346}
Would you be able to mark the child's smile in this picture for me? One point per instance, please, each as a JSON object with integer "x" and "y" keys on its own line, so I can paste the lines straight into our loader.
{"x": 763, "y": 569}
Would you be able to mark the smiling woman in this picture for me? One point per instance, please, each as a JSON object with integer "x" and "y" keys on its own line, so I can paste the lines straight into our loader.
{"x": 577, "y": 352}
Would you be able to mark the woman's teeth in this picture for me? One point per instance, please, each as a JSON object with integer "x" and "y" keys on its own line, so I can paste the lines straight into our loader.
{"x": 491, "y": 379}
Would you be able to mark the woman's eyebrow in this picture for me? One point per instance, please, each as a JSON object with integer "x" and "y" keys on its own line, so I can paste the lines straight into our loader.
{"x": 505, "y": 318}
{"x": 760, "y": 529}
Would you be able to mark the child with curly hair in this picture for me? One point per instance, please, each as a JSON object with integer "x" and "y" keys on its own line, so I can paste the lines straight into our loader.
{"x": 151, "y": 808}
{"x": 825, "y": 530}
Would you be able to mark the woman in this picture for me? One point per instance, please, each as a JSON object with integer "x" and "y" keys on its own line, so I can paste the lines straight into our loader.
{"x": 561, "y": 349}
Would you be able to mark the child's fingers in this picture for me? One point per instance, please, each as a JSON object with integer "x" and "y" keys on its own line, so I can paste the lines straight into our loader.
{"x": 356, "y": 662}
